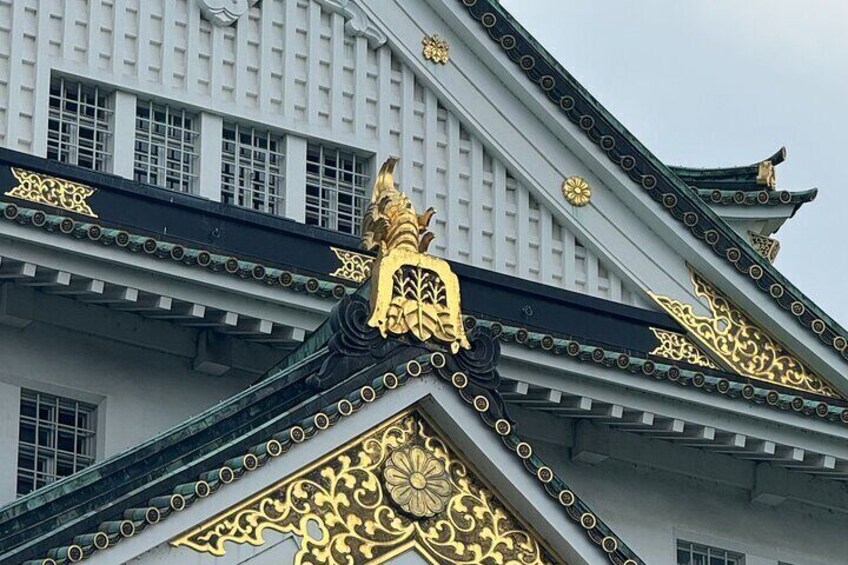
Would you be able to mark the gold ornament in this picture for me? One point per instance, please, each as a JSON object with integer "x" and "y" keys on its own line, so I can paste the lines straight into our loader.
{"x": 436, "y": 49}
{"x": 355, "y": 267}
{"x": 678, "y": 347}
{"x": 766, "y": 175}
{"x": 417, "y": 482}
{"x": 577, "y": 191}
{"x": 52, "y": 191}
{"x": 768, "y": 247}
{"x": 745, "y": 347}
{"x": 411, "y": 291}
{"x": 344, "y": 514}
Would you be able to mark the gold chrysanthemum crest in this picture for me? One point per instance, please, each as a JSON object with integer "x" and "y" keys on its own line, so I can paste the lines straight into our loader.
{"x": 417, "y": 482}
{"x": 577, "y": 191}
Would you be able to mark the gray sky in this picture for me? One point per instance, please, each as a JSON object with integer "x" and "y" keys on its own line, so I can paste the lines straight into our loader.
{"x": 724, "y": 82}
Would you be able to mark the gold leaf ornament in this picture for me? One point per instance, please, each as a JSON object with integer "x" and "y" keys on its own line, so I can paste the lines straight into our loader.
{"x": 436, "y": 49}
{"x": 576, "y": 191}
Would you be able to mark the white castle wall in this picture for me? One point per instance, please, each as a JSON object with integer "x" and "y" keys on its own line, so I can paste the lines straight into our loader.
{"x": 289, "y": 65}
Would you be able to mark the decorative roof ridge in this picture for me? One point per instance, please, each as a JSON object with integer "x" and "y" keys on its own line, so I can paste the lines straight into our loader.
{"x": 757, "y": 198}
{"x": 435, "y": 363}
{"x": 99, "y": 470}
{"x": 645, "y": 169}
{"x": 731, "y": 385}
{"x": 776, "y": 159}
{"x": 194, "y": 257}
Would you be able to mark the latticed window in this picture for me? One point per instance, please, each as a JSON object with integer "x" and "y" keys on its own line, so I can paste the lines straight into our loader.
{"x": 336, "y": 183}
{"x": 56, "y": 439}
{"x": 165, "y": 146}
{"x": 252, "y": 169}
{"x": 79, "y": 124}
{"x": 689, "y": 553}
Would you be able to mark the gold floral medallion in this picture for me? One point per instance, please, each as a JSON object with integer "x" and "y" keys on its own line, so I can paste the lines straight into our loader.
{"x": 577, "y": 191}
{"x": 417, "y": 482}
{"x": 436, "y": 49}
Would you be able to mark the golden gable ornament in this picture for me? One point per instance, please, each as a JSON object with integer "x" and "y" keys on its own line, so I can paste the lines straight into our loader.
{"x": 411, "y": 291}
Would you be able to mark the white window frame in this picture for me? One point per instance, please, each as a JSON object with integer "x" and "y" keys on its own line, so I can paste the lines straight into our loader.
{"x": 74, "y": 108}
{"x": 83, "y": 437}
{"x": 709, "y": 552}
{"x": 334, "y": 184}
{"x": 253, "y": 168}
{"x": 166, "y": 153}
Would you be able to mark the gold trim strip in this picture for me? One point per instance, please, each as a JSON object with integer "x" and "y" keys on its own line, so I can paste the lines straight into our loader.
{"x": 52, "y": 191}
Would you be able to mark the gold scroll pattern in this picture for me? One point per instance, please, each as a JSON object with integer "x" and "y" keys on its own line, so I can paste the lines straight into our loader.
{"x": 411, "y": 291}
{"x": 354, "y": 267}
{"x": 52, "y": 191}
{"x": 746, "y": 348}
{"x": 679, "y": 347}
{"x": 357, "y": 500}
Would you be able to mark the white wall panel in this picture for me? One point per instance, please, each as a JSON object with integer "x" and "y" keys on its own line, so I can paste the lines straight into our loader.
{"x": 290, "y": 64}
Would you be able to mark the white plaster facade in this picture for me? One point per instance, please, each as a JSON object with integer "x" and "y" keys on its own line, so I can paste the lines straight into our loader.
{"x": 477, "y": 144}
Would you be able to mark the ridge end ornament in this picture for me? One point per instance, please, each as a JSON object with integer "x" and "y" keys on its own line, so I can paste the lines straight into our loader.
{"x": 411, "y": 291}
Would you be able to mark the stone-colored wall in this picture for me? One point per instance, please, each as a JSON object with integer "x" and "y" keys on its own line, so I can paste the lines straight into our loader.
{"x": 137, "y": 393}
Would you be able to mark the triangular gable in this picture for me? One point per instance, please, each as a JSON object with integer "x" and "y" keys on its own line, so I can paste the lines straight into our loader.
{"x": 400, "y": 486}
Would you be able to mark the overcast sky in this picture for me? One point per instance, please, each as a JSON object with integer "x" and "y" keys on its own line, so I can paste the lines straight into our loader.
{"x": 721, "y": 83}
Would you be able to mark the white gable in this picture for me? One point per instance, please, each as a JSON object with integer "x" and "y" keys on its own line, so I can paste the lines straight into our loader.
{"x": 293, "y": 65}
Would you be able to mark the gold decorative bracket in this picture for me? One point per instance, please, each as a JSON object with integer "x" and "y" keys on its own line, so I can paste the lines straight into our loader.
{"x": 52, "y": 191}
{"x": 397, "y": 488}
{"x": 411, "y": 291}
{"x": 745, "y": 347}
{"x": 355, "y": 267}
{"x": 678, "y": 347}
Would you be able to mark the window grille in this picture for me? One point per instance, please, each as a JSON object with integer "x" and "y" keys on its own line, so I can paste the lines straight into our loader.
{"x": 252, "y": 169}
{"x": 56, "y": 439}
{"x": 689, "y": 553}
{"x": 336, "y": 182}
{"x": 79, "y": 125}
{"x": 165, "y": 146}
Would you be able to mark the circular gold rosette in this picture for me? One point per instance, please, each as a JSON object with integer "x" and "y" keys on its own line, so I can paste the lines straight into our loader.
{"x": 417, "y": 482}
{"x": 577, "y": 191}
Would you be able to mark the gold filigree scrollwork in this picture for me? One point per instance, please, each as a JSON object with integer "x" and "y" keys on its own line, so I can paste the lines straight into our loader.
{"x": 768, "y": 247}
{"x": 766, "y": 175}
{"x": 679, "y": 347}
{"x": 355, "y": 267}
{"x": 411, "y": 291}
{"x": 746, "y": 348}
{"x": 348, "y": 500}
{"x": 52, "y": 191}
{"x": 435, "y": 49}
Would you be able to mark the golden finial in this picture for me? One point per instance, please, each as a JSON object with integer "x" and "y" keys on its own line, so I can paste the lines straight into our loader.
{"x": 411, "y": 291}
